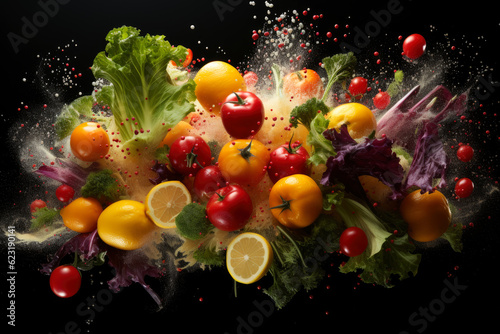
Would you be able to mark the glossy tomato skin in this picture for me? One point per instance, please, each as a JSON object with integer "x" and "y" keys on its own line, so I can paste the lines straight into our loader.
{"x": 89, "y": 142}
{"x": 353, "y": 241}
{"x": 65, "y": 281}
{"x": 229, "y": 208}
{"x": 189, "y": 154}
{"x": 65, "y": 193}
{"x": 242, "y": 114}
{"x": 414, "y": 46}
{"x": 358, "y": 86}
{"x": 381, "y": 100}
{"x": 207, "y": 181}
{"x": 464, "y": 187}
{"x": 244, "y": 161}
{"x": 288, "y": 159}
{"x": 465, "y": 153}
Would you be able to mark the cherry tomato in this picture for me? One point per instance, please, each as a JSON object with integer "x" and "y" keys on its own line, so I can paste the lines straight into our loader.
{"x": 288, "y": 159}
{"x": 207, "y": 181}
{"x": 37, "y": 204}
{"x": 89, "y": 142}
{"x": 242, "y": 114}
{"x": 244, "y": 161}
{"x": 65, "y": 281}
{"x": 381, "y": 100}
{"x": 302, "y": 85}
{"x": 464, "y": 187}
{"x": 229, "y": 208}
{"x": 465, "y": 153}
{"x": 414, "y": 46}
{"x": 353, "y": 241}
{"x": 189, "y": 154}
{"x": 358, "y": 86}
{"x": 65, "y": 193}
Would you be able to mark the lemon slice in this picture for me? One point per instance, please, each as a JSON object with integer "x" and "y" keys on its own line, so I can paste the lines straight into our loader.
{"x": 165, "y": 201}
{"x": 248, "y": 257}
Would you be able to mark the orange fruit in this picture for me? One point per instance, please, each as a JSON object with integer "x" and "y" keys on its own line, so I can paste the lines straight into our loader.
{"x": 359, "y": 119}
{"x": 81, "y": 214}
{"x": 428, "y": 215}
{"x": 248, "y": 257}
{"x": 89, "y": 142}
{"x": 125, "y": 225}
{"x": 182, "y": 128}
{"x": 215, "y": 81}
{"x": 165, "y": 201}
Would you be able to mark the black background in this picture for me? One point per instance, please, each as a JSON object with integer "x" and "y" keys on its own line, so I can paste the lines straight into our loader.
{"x": 350, "y": 307}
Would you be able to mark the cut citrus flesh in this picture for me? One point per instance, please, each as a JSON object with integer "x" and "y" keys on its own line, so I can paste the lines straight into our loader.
{"x": 165, "y": 201}
{"x": 248, "y": 257}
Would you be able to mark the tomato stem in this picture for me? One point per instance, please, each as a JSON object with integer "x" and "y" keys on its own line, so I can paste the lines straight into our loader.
{"x": 245, "y": 152}
{"x": 300, "y": 76}
{"x": 285, "y": 205}
{"x": 192, "y": 158}
{"x": 239, "y": 102}
{"x": 290, "y": 149}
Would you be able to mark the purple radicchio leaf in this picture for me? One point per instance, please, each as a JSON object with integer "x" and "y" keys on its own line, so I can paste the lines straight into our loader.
{"x": 67, "y": 172}
{"x": 429, "y": 160}
{"x": 372, "y": 157}
{"x": 402, "y": 122}
{"x": 132, "y": 266}
{"x": 86, "y": 245}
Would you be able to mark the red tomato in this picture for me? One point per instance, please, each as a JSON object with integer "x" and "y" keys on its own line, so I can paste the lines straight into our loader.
{"x": 381, "y": 100}
{"x": 288, "y": 159}
{"x": 465, "y": 153}
{"x": 358, "y": 86}
{"x": 37, "y": 204}
{"x": 353, "y": 241}
{"x": 65, "y": 281}
{"x": 207, "y": 181}
{"x": 464, "y": 187}
{"x": 414, "y": 46}
{"x": 242, "y": 114}
{"x": 229, "y": 208}
{"x": 189, "y": 154}
{"x": 65, "y": 193}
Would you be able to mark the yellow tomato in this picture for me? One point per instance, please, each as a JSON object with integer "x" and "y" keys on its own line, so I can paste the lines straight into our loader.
{"x": 182, "y": 128}
{"x": 244, "y": 161}
{"x": 428, "y": 215}
{"x": 89, "y": 141}
{"x": 125, "y": 225}
{"x": 296, "y": 201}
{"x": 215, "y": 81}
{"x": 81, "y": 214}
{"x": 359, "y": 119}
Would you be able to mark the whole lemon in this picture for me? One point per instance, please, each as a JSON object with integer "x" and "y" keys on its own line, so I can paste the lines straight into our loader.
{"x": 124, "y": 225}
{"x": 359, "y": 119}
{"x": 215, "y": 81}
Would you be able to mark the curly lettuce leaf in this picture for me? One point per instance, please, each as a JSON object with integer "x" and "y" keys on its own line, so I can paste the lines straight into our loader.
{"x": 146, "y": 101}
